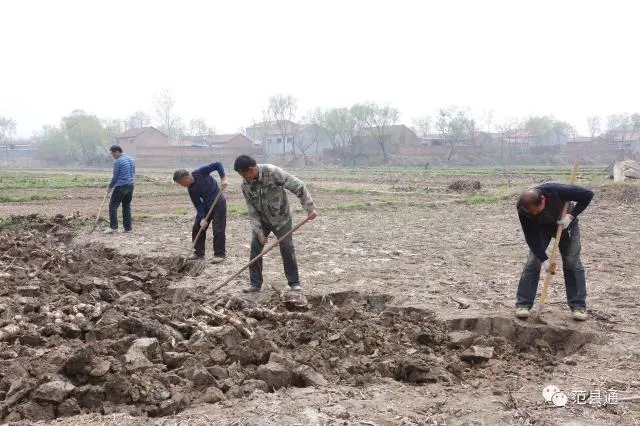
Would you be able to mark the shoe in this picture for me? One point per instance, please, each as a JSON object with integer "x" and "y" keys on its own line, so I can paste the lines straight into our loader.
{"x": 109, "y": 231}
{"x": 522, "y": 312}
{"x": 251, "y": 289}
{"x": 294, "y": 298}
{"x": 195, "y": 257}
{"x": 130, "y": 231}
{"x": 217, "y": 259}
{"x": 579, "y": 314}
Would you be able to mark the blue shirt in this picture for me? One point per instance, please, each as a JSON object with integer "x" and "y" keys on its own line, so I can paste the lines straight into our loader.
{"x": 545, "y": 222}
{"x": 124, "y": 171}
{"x": 204, "y": 188}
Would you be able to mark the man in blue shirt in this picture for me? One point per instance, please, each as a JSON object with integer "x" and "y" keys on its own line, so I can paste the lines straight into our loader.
{"x": 539, "y": 210}
{"x": 124, "y": 175}
{"x": 203, "y": 189}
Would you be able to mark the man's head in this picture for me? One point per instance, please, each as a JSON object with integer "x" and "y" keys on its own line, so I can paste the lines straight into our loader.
{"x": 532, "y": 202}
{"x": 116, "y": 151}
{"x": 246, "y": 167}
{"x": 182, "y": 177}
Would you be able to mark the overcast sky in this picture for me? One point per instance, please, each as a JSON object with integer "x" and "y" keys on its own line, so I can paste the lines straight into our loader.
{"x": 223, "y": 59}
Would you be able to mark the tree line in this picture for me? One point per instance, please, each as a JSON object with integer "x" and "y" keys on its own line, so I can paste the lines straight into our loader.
{"x": 83, "y": 138}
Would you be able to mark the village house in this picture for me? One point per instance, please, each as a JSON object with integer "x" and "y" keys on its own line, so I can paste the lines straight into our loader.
{"x": 287, "y": 137}
{"x": 234, "y": 141}
{"x": 625, "y": 139}
{"x": 394, "y": 137}
{"x": 135, "y": 140}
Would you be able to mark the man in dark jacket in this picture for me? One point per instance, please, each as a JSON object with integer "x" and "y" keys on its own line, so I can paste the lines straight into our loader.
{"x": 203, "y": 189}
{"x": 539, "y": 210}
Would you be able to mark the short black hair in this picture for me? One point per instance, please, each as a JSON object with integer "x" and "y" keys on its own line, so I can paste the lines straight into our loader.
{"x": 243, "y": 163}
{"x": 179, "y": 174}
{"x": 530, "y": 198}
{"x": 116, "y": 148}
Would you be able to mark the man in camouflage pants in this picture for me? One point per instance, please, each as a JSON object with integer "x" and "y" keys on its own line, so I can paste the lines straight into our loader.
{"x": 263, "y": 188}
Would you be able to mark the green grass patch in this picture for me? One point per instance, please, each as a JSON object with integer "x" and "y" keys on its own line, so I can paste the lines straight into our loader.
{"x": 182, "y": 210}
{"x": 142, "y": 215}
{"x": 348, "y": 190}
{"x": 236, "y": 209}
{"x": 33, "y": 180}
{"x": 5, "y": 222}
{"x": 54, "y": 181}
{"x": 352, "y": 205}
{"x": 4, "y": 198}
{"x": 484, "y": 199}
{"x": 385, "y": 200}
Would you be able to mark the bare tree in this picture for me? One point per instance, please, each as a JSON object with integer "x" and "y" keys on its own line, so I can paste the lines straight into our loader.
{"x": 621, "y": 128}
{"x": 170, "y": 121}
{"x": 283, "y": 110}
{"x": 7, "y": 130}
{"x": 487, "y": 120}
{"x": 113, "y": 127}
{"x": 356, "y": 119}
{"x": 333, "y": 120}
{"x": 455, "y": 125}
{"x": 313, "y": 132}
{"x": 380, "y": 118}
{"x": 423, "y": 126}
{"x": 200, "y": 127}
{"x": 139, "y": 119}
{"x": 261, "y": 131}
{"x": 508, "y": 131}
{"x": 594, "y": 125}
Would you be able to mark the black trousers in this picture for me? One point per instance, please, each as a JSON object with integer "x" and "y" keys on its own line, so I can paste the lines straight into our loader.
{"x": 219, "y": 220}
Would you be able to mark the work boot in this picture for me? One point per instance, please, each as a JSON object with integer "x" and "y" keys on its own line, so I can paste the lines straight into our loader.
{"x": 196, "y": 257}
{"x": 522, "y": 312}
{"x": 251, "y": 289}
{"x": 294, "y": 298}
{"x": 109, "y": 231}
{"x": 579, "y": 314}
{"x": 217, "y": 259}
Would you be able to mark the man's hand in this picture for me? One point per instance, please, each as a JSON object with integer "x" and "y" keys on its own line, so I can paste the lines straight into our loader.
{"x": 565, "y": 221}
{"x": 261, "y": 237}
{"x": 552, "y": 267}
{"x": 223, "y": 183}
{"x": 203, "y": 224}
{"x": 312, "y": 215}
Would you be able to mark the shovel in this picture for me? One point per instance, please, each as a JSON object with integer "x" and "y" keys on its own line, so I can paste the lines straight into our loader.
{"x": 196, "y": 267}
{"x": 554, "y": 250}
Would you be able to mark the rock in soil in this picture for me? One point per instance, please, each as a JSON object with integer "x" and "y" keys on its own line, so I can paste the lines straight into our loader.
{"x": 477, "y": 354}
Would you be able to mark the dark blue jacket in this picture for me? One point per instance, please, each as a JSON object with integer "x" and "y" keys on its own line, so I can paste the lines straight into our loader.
{"x": 204, "y": 188}
{"x": 556, "y": 194}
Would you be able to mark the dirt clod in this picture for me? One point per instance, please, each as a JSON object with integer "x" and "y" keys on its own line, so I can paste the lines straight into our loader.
{"x": 464, "y": 185}
{"x": 476, "y": 354}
